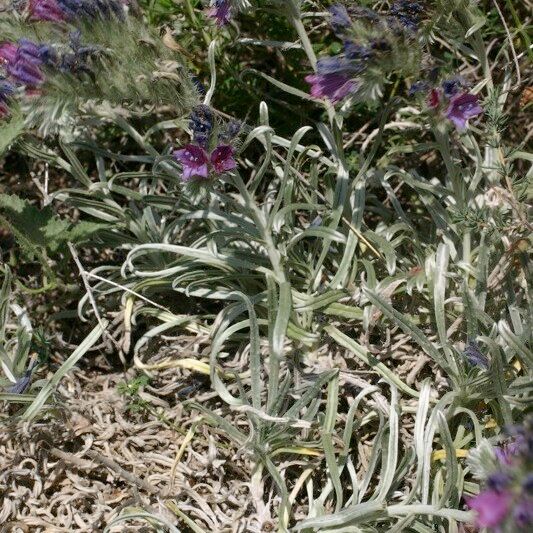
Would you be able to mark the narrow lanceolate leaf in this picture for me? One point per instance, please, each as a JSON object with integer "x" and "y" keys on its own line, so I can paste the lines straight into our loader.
{"x": 351, "y": 515}
{"x": 439, "y": 290}
{"x": 66, "y": 367}
{"x": 388, "y": 468}
{"x": 278, "y": 322}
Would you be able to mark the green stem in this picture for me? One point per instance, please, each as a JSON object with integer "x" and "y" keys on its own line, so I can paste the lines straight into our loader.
{"x": 262, "y": 226}
{"x": 443, "y": 145}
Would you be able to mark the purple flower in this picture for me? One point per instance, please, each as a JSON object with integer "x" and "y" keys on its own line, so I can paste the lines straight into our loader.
{"x": 474, "y": 355}
{"x": 523, "y": 513}
{"x": 197, "y": 163}
{"x": 48, "y": 10}
{"x": 491, "y": 507}
{"x": 231, "y": 131}
{"x": 222, "y": 158}
{"x": 506, "y": 453}
{"x": 332, "y": 86}
{"x": 340, "y": 19}
{"x": 8, "y": 52}
{"x": 407, "y": 13}
{"x": 201, "y": 124}
{"x": 91, "y": 9}
{"x": 36, "y": 54}
{"x": 452, "y": 87}
{"x": 357, "y": 52}
{"x": 417, "y": 87}
{"x": 25, "y": 72}
{"x": 334, "y": 78}
{"x": 462, "y": 108}
{"x": 6, "y": 90}
{"x": 221, "y": 11}
{"x": 22, "y": 384}
{"x": 498, "y": 481}
{"x": 199, "y": 85}
{"x": 194, "y": 161}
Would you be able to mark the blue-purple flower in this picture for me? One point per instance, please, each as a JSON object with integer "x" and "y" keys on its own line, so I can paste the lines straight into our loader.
{"x": 230, "y": 132}
{"x": 334, "y": 78}
{"x": 48, "y": 10}
{"x": 201, "y": 124}
{"x": 506, "y": 502}
{"x": 418, "y": 87}
{"x": 6, "y": 91}
{"x": 407, "y": 13}
{"x": 222, "y": 159}
{"x": 22, "y": 62}
{"x": 474, "y": 355}
{"x": 462, "y": 108}
{"x": 197, "y": 163}
{"x": 491, "y": 507}
{"x": 340, "y": 19}
{"x": 523, "y": 513}
{"x": 220, "y": 10}
{"x": 452, "y": 86}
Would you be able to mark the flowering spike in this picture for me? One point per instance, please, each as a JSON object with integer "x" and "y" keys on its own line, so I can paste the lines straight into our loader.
{"x": 48, "y": 10}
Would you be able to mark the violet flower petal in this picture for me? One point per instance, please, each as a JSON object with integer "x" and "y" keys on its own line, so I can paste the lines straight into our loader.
{"x": 194, "y": 161}
{"x": 222, "y": 158}
{"x": 491, "y": 507}
{"x": 221, "y": 11}
{"x": 462, "y": 108}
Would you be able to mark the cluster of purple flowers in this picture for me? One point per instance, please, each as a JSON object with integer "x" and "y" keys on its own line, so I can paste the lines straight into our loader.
{"x": 221, "y": 11}
{"x": 407, "y": 13}
{"x": 339, "y": 76}
{"x": 452, "y": 99}
{"x": 507, "y": 499}
{"x": 70, "y": 10}
{"x": 198, "y": 160}
{"x": 23, "y": 63}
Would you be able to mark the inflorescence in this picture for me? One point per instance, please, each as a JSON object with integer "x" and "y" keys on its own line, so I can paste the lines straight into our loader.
{"x": 369, "y": 40}
{"x": 375, "y": 43}
{"x": 72, "y": 10}
{"x": 506, "y": 502}
{"x": 23, "y": 63}
{"x": 450, "y": 99}
{"x": 211, "y": 152}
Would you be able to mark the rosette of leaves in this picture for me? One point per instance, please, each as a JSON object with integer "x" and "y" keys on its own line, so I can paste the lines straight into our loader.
{"x": 110, "y": 65}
